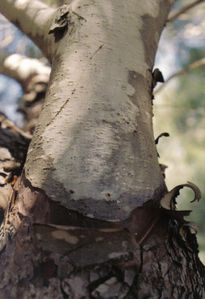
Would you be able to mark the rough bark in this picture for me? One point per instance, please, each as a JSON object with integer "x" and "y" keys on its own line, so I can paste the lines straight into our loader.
{"x": 84, "y": 219}
{"x": 68, "y": 262}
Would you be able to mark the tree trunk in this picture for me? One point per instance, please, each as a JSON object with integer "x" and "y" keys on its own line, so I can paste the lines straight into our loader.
{"x": 85, "y": 219}
{"x": 101, "y": 112}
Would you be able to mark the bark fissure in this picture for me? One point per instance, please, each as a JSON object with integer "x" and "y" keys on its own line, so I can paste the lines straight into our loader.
{"x": 59, "y": 111}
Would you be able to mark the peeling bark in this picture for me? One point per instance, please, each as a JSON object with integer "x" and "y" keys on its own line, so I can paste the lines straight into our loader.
{"x": 79, "y": 262}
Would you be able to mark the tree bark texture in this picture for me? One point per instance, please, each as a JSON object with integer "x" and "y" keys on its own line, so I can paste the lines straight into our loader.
{"x": 98, "y": 110}
{"x": 84, "y": 219}
{"x": 57, "y": 261}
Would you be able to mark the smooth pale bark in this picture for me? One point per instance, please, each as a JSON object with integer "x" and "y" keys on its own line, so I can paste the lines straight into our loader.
{"x": 98, "y": 111}
{"x": 33, "y": 18}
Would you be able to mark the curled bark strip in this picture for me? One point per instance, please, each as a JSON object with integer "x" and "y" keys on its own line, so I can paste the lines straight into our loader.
{"x": 157, "y": 77}
{"x": 168, "y": 202}
{"x": 165, "y": 134}
{"x": 196, "y": 190}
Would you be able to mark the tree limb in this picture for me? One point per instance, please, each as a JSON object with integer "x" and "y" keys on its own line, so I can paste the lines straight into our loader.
{"x": 33, "y": 75}
{"x": 34, "y": 19}
{"x": 183, "y": 10}
{"x": 23, "y": 69}
{"x": 190, "y": 67}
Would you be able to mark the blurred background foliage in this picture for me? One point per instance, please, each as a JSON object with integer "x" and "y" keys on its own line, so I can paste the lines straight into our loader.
{"x": 179, "y": 107}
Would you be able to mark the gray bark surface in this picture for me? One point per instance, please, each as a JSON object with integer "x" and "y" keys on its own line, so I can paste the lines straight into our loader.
{"x": 98, "y": 109}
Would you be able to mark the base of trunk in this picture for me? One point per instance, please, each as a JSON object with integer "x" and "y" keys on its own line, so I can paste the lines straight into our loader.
{"x": 57, "y": 261}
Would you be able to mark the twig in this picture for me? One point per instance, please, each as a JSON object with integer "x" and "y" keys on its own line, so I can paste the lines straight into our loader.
{"x": 183, "y": 10}
{"x": 190, "y": 67}
{"x": 165, "y": 134}
{"x": 148, "y": 230}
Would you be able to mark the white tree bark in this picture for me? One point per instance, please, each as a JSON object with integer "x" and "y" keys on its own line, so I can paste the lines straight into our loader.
{"x": 93, "y": 149}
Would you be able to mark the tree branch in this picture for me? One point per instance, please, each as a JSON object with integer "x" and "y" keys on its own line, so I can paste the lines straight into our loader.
{"x": 33, "y": 75}
{"x": 190, "y": 67}
{"x": 183, "y": 10}
{"x": 23, "y": 69}
{"x": 34, "y": 19}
